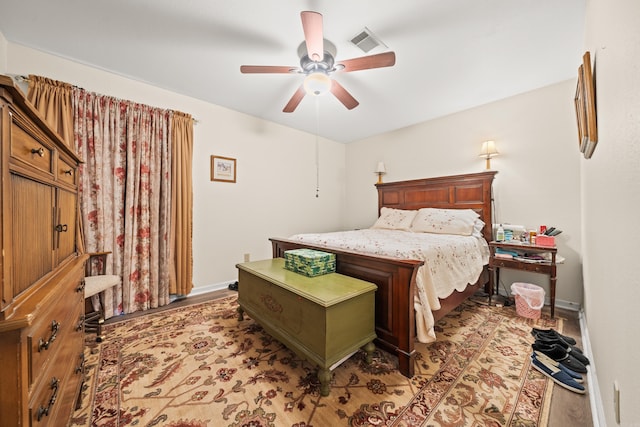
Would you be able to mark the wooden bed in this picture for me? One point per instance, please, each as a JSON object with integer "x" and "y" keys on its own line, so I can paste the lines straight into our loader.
{"x": 396, "y": 278}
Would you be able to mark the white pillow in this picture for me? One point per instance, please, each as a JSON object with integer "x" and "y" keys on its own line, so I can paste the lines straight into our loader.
{"x": 395, "y": 219}
{"x": 445, "y": 221}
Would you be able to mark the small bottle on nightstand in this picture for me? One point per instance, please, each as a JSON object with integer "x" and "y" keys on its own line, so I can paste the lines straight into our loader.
{"x": 500, "y": 234}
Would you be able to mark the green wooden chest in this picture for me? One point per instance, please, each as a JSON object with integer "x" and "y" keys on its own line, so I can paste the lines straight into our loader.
{"x": 324, "y": 319}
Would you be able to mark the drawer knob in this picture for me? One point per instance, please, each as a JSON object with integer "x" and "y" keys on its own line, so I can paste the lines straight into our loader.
{"x": 80, "y": 324}
{"x": 38, "y": 151}
{"x": 44, "y": 345}
{"x": 61, "y": 228}
{"x": 69, "y": 172}
{"x": 80, "y": 367}
{"x": 44, "y": 411}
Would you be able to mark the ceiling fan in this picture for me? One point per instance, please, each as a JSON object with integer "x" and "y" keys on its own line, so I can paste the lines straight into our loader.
{"x": 317, "y": 63}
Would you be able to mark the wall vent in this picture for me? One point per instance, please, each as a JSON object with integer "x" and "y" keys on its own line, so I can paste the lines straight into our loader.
{"x": 366, "y": 40}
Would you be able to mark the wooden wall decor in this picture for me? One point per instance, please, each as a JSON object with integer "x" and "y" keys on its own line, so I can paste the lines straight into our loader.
{"x": 585, "y": 105}
{"x": 223, "y": 169}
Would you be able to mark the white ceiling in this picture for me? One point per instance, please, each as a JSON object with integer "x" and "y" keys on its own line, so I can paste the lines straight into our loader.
{"x": 451, "y": 55}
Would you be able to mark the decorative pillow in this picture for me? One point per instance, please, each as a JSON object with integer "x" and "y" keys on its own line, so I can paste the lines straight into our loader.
{"x": 445, "y": 221}
{"x": 395, "y": 219}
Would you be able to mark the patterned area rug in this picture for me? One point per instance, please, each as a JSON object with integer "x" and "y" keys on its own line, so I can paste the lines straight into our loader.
{"x": 199, "y": 366}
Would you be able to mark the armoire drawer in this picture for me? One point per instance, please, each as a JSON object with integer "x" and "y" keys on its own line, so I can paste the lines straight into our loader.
{"x": 57, "y": 328}
{"x": 27, "y": 149}
{"x": 66, "y": 172}
{"x": 59, "y": 380}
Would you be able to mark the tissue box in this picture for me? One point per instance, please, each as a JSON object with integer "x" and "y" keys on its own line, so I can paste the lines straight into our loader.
{"x": 309, "y": 262}
{"x": 548, "y": 241}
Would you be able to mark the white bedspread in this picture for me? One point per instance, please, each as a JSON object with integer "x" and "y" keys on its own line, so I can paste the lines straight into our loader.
{"x": 451, "y": 262}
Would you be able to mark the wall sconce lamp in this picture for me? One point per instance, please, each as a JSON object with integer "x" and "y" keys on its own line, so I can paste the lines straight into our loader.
{"x": 488, "y": 151}
{"x": 380, "y": 170}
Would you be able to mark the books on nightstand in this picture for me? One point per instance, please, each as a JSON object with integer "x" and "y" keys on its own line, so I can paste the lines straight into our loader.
{"x": 523, "y": 256}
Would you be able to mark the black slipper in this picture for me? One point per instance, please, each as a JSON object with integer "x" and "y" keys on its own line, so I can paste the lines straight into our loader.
{"x": 573, "y": 350}
{"x": 559, "y": 354}
{"x": 552, "y": 333}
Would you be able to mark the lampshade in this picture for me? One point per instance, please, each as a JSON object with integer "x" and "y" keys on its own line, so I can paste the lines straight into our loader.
{"x": 317, "y": 84}
{"x": 380, "y": 168}
{"x": 488, "y": 149}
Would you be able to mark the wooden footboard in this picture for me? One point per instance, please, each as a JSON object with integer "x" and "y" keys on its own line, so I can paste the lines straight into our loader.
{"x": 395, "y": 315}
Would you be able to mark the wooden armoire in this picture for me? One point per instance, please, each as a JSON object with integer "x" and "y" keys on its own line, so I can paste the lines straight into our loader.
{"x": 41, "y": 293}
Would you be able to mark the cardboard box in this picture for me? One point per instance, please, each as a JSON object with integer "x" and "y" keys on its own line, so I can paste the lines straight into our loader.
{"x": 548, "y": 241}
{"x": 309, "y": 262}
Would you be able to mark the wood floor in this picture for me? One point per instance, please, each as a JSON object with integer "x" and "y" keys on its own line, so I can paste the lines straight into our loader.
{"x": 568, "y": 409}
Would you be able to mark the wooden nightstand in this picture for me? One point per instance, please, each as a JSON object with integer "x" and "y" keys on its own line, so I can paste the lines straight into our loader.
{"x": 548, "y": 267}
{"x": 324, "y": 319}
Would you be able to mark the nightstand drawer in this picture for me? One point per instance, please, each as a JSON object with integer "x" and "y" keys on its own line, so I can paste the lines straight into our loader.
{"x": 520, "y": 265}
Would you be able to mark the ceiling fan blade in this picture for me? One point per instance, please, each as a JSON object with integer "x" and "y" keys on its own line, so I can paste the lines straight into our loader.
{"x": 343, "y": 96}
{"x": 386, "y": 59}
{"x": 295, "y": 100}
{"x": 252, "y": 69}
{"x": 312, "y": 26}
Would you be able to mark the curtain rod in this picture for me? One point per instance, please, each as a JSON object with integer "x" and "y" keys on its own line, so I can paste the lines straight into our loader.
{"x": 22, "y": 78}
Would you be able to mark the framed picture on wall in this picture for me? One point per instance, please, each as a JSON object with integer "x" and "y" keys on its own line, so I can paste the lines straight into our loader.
{"x": 585, "y": 103}
{"x": 581, "y": 116}
{"x": 223, "y": 169}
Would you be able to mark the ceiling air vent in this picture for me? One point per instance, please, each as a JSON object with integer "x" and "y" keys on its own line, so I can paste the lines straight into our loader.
{"x": 366, "y": 40}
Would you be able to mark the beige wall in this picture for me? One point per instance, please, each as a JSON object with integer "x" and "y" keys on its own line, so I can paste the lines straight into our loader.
{"x": 276, "y": 174}
{"x": 538, "y": 169}
{"x": 3, "y": 53}
{"x": 610, "y": 206}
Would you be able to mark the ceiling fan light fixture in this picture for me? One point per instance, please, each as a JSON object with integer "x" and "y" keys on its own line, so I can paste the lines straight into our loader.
{"x": 317, "y": 84}
{"x": 317, "y": 71}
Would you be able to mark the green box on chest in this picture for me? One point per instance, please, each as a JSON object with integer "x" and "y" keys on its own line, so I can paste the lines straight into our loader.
{"x": 309, "y": 262}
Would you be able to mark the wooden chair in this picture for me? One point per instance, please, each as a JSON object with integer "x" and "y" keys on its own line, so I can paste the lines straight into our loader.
{"x": 96, "y": 281}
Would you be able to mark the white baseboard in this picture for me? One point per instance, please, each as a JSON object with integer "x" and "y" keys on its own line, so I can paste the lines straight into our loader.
{"x": 567, "y": 305}
{"x": 595, "y": 399}
{"x": 199, "y": 290}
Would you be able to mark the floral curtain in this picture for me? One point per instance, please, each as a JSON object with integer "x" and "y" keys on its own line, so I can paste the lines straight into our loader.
{"x": 125, "y": 195}
{"x": 135, "y": 189}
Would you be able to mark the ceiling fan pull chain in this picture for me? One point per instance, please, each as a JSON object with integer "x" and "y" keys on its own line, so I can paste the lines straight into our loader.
{"x": 317, "y": 149}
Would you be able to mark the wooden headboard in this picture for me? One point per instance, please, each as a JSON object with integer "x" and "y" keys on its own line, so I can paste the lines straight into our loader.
{"x": 469, "y": 191}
